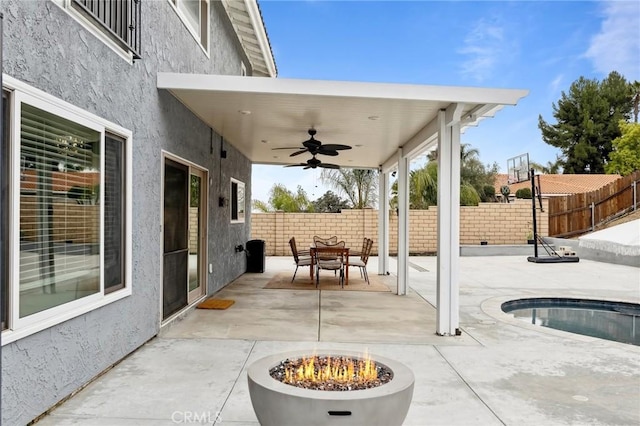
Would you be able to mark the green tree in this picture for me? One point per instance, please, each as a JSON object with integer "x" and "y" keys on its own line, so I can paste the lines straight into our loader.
{"x": 475, "y": 174}
{"x": 423, "y": 186}
{"x": 587, "y": 122}
{"x": 330, "y": 203}
{"x": 261, "y": 206}
{"x": 476, "y": 181}
{"x": 625, "y": 157}
{"x": 552, "y": 167}
{"x": 282, "y": 199}
{"x": 360, "y": 186}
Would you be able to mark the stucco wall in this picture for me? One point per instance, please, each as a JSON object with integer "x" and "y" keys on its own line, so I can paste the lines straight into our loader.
{"x": 497, "y": 223}
{"x": 46, "y": 48}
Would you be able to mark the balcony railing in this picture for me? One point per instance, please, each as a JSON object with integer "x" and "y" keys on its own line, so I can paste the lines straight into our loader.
{"x": 120, "y": 19}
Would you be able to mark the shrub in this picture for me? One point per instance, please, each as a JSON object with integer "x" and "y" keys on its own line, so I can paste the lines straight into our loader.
{"x": 523, "y": 193}
{"x": 488, "y": 193}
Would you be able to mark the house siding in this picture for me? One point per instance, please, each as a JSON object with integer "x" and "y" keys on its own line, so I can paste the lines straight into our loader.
{"x": 46, "y": 48}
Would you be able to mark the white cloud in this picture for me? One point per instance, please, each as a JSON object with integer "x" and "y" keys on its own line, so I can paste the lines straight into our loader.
{"x": 617, "y": 46}
{"x": 483, "y": 46}
{"x": 555, "y": 85}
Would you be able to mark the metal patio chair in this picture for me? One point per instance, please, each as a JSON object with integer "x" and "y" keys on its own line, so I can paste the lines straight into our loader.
{"x": 300, "y": 260}
{"x": 361, "y": 262}
{"x": 330, "y": 257}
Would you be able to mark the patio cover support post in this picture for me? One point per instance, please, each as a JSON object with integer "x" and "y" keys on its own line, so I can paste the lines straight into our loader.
{"x": 383, "y": 223}
{"x": 447, "y": 321}
{"x": 403, "y": 222}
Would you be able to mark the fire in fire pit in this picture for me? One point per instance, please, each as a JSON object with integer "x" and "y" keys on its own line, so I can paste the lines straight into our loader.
{"x": 327, "y": 373}
{"x": 324, "y": 389}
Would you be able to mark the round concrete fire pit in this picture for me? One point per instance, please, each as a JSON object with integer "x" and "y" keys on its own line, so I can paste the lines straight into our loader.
{"x": 280, "y": 404}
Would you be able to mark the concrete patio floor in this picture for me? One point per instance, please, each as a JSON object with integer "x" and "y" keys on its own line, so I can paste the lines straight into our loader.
{"x": 499, "y": 371}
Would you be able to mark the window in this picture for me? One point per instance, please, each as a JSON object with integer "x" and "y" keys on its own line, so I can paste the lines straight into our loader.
{"x": 195, "y": 15}
{"x": 70, "y": 248}
{"x": 59, "y": 211}
{"x": 237, "y": 201}
{"x": 117, "y": 23}
{"x": 114, "y": 213}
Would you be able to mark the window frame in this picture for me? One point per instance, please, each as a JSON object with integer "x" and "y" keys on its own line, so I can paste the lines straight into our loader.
{"x": 235, "y": 216}
{"x": 21, "y": 327}
{"x": 204, "y": 45}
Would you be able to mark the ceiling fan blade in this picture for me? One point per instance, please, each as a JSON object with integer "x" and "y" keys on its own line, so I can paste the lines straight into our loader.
{"x": 312, "y": 143}
{"x": 329, "y": 166}
{"x": 329, "y": 152}
{"x": 335, "y": 147}
{"x": 296, "y": 165}
{"x": 302, "y": 151}
{"x": 289, "y": 147}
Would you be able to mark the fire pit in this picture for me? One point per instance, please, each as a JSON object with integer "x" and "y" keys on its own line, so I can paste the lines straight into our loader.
{"x": 302, "y": 388}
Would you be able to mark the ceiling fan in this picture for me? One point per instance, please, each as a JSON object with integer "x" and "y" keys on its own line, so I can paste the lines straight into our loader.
{"x": 314, "y": 147}
{"x": 313, "y": 163}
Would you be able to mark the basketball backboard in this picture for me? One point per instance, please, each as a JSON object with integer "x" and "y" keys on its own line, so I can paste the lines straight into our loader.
{"x": 518, "y": 168}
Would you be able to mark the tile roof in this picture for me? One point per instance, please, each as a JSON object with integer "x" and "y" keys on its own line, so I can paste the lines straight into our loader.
{"x": 553, "y": 184}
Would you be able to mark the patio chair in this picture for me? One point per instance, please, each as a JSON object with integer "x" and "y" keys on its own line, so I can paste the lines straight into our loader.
{"x": 354, "y": 254}
{"x": 300, "y": 261}
{"x": 330, "y": 257}
{"x": 301, "y": 253}
{"x": 362, "y": 261}
{"x": 331, "y": 240}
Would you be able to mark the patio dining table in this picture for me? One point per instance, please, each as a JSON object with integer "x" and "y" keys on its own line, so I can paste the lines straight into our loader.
{"x": 344, "y": 253}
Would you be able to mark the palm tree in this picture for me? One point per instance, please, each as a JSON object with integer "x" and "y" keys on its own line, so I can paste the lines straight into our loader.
{"x": 552, "y": 167}
{"x": 423, "y": 186}
{"x": 466, "y": 153}
{"x": 360, "y": 186}
{"x": 635, "y": 99}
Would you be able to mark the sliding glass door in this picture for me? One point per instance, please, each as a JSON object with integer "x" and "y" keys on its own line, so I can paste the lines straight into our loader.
{"x": 184, "y": 254}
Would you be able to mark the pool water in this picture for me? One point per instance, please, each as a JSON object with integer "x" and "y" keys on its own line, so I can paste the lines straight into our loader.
{"x": 617, "y": 321}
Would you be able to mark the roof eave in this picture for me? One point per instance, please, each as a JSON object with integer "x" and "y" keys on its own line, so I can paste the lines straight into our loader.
{"x": 263, "y": 63}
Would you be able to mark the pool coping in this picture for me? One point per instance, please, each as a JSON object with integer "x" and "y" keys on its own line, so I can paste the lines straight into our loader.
{"x": 493, "y": 308}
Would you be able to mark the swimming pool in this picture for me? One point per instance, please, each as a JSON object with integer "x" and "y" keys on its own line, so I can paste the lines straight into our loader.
{"x": 617, "y": 321}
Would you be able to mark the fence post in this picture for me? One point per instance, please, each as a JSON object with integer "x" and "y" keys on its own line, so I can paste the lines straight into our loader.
{"x": 634, "y": 185}
{"x": 593, "y": 216}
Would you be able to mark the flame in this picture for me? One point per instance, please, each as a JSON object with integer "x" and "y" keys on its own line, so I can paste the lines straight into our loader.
{"x": 328, "y": 369}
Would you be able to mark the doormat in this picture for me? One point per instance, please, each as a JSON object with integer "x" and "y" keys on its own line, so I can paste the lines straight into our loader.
{"x": 216, "y": 304}
{"x": 327, "y": 282}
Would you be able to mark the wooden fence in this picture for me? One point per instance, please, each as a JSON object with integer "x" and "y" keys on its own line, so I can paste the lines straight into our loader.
{"x": 577, "y": 214}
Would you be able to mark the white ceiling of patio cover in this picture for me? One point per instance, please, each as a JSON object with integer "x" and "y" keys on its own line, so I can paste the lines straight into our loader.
{"x": 257, "y": 114}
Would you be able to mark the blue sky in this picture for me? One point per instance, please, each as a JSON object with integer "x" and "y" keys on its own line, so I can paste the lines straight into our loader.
{"x": 535, "y": 45}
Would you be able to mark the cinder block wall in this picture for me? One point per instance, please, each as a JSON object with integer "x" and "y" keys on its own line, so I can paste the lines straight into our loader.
{"x": 497, "y": 223}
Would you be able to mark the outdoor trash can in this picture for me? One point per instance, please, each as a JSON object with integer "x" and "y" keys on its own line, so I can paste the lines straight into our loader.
{"x": 255, "y": 255}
